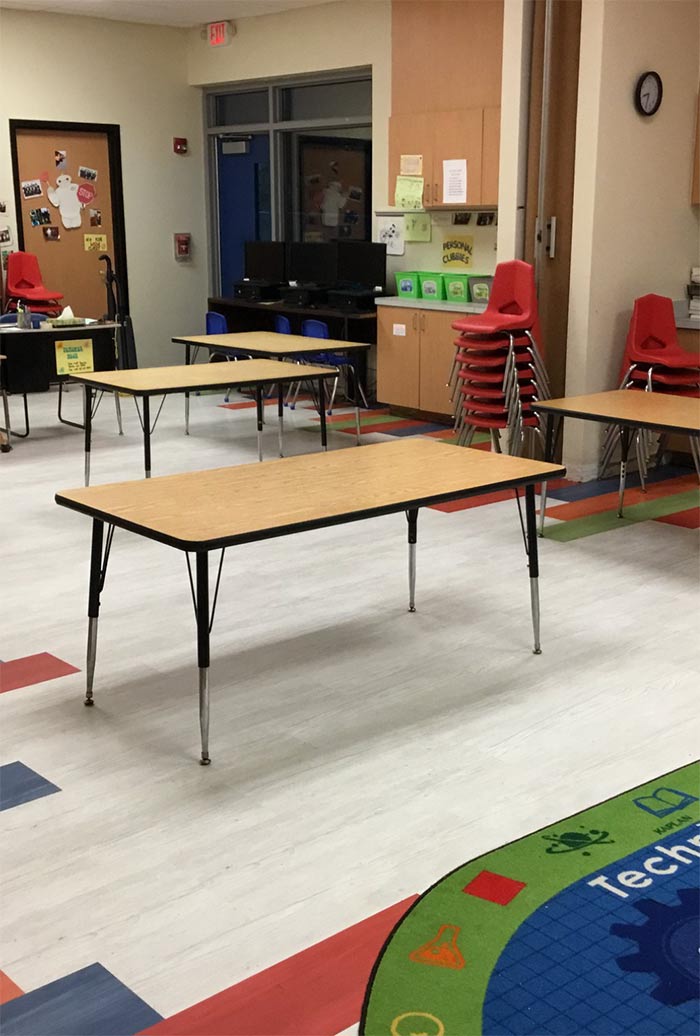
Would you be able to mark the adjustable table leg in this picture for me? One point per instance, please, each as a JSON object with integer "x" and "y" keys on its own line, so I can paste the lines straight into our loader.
{"x": 533, "y": 564}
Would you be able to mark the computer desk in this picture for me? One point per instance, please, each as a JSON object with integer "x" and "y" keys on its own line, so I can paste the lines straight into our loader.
{"x": 204, "y": 511}
{"x": 164, "y": 381}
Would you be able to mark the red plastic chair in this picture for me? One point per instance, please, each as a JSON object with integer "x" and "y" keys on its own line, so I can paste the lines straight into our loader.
{"x": 24, "y": 284}
{"x": 512, "y": 304}
{"x": 652, "y": 340}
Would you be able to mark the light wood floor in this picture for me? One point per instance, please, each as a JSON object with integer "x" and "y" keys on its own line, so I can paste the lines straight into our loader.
{"x": 359, "y": 752}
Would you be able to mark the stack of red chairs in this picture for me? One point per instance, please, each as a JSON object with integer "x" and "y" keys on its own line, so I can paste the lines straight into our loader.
{"x": 498, "y": 372}
{"x": 24, "y": 284}
{"x": 653, "y": 361}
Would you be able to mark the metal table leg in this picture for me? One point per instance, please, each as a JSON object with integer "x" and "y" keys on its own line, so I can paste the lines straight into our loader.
{"x": 87, "y": 398}
{"x": 548, "y": 456}
{"x": 187, "y": 395}
{"x": 322, "y": 412}
{"x": 203, "y": 651}
{"x": 533, "y": 564}
{"x": 147, "y": 435}
{"x": 259, "y": 407}
{"x": 98, "y": 572}
{"x": 624, "y": 452}
{"x": 118, "y": 408}
{"x": 412, "y": 516}
{"x": 280, "y": 417}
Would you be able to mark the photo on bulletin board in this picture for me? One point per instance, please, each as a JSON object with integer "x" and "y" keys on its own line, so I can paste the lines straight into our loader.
{"x": 3, "y": 207}
{"x": 334, "y": 184}
{"x": 5, "y": 236}
{"x": 60, "y": 159}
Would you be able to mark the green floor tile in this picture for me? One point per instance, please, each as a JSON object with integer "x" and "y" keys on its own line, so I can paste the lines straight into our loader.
{"x": 608, "y": 520}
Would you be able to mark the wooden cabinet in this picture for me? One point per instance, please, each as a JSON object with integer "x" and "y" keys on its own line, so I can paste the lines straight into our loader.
{"x": 471, "y": 133}
{"x": 415, "y": 351}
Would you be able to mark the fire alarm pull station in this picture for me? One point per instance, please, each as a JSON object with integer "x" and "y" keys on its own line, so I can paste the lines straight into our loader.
{"x": 180, "y": 145}
{"x": 183, "y": 247}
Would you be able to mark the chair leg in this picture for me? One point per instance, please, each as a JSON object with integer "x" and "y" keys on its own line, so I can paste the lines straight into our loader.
{"x": 7, "y": 446}
{"x": 495, "y": 440}
{"x": 332, "y": 400}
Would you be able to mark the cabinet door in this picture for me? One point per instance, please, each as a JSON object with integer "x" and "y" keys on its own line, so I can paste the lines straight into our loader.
{"x": 437, "y": 353}
{"x": 410, "y": 135}
{"x": 458, "y": 134}
{"x": 397, "y": 356}
{"x": 490, "y": 156}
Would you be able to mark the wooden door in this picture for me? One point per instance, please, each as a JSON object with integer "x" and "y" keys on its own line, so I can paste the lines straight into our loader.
{"x": 458, "y": 134}
{"x": 398, "y": 363}
{"x": 437, "y": 353}
{"x": 65, "y": 201}
{"x": 410, "y": 135}
{"x": 490, "y": 155}
{"x": 553, "y": 270}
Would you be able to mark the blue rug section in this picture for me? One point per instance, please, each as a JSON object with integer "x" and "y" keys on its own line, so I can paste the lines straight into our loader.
{"x": 416, "y": 429}
{"x": 590, "y": 961}
{"x": 19, "y": 783}
{"x": 90, "y": 1002}
{"x": 585, "y": 490}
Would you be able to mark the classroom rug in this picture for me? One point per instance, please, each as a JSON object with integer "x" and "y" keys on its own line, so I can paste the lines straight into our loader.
{"x": 587, "y": 926}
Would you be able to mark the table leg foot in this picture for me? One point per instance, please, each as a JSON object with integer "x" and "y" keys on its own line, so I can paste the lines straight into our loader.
{"x": 91, "y": 658}
{"x": 204, "y": 715}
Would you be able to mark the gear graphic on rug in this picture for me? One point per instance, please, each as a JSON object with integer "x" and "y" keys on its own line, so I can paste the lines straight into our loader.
{"x": 667, "y": 947}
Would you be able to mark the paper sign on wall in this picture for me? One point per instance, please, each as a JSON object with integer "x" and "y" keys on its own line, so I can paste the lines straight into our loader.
{"x": 417, "y": 226}
{"x": 409, "y": 192}
{"x": 458, "y": 251}
{"x": 95, "y": 242}
{"x": 390, "y": 232}
{"x": 454, "y": 181}
{"x": 74, "y": 356}
{"x": 411, "y": 165}
{"x": 399, "y": 330}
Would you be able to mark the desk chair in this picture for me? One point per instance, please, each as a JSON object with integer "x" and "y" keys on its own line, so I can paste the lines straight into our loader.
{"x": 24, "y": 284}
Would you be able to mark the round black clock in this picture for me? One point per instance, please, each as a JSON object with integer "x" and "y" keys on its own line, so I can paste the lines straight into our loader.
{"x": 648, "y": 93}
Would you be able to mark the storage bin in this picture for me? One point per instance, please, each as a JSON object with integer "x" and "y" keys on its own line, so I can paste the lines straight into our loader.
{"x": 407, "y": 284}
{"x": 456, "y": 287}
{"x": 432, "y": 285}
{"x": 479, "y": 287}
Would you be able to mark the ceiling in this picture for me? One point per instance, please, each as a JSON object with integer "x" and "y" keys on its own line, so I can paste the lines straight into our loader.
{"x": 161, "y": 12}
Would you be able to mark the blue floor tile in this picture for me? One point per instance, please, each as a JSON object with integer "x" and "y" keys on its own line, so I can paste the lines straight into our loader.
{"x": 90, "y": 1002}
{"x": 18, "y": 784}
{"x": 585, "y": 490}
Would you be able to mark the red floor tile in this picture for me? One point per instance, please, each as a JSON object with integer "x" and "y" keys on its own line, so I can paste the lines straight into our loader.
{"x": 317, "y": 992}
{"x": 689, "y": 519}
{"x": 23, "y": 672}
{"x": 9, "y": 990}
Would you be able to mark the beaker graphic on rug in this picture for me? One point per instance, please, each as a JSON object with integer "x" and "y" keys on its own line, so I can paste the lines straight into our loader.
{"x": 441, "y": 950}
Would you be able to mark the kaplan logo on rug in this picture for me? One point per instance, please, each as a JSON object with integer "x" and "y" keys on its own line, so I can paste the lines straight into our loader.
{"x": 655, "y": 866}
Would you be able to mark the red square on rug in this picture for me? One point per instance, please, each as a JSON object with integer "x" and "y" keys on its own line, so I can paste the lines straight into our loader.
{"x": 495, "y": 888}
{"x": 23, "y": 672}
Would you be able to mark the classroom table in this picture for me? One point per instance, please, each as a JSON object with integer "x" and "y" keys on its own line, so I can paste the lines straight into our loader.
{"x": 204, "y": 511}
{"x": 146, "y": 382}
{"x": 628, "y": 409}
{"x": 30, "y": 364}
{"x": 272, "y": 344}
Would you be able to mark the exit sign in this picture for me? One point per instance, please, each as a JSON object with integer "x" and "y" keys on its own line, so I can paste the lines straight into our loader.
{"x": 219, "y": 34}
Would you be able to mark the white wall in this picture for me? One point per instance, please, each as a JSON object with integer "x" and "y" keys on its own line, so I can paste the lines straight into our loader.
{"x": 634, "y": 230}
{"x": 88, "y": 70}
{"x": 352, "y": 34}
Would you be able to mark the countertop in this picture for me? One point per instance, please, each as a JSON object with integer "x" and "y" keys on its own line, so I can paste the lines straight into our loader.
{"x": 444, "y": 307}
{"x": 682, "y": 319}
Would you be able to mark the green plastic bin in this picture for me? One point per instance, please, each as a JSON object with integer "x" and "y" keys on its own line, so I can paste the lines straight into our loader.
{"x": 456, "y": 287}
{"x": 407, "y": 284}
{"x": 432, "y": 285}
{"x": 480, "y": 287}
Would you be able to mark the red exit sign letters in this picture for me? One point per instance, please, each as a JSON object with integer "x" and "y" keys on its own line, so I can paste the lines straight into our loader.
{"x": 219, "y": 34}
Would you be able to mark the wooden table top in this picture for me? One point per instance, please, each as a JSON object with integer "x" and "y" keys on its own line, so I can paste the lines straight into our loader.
{"x": 272, "y": 344}
{"x": 217, "y": 508}
{"x": 629, "y": 407}
{"x": 158, "y": 381}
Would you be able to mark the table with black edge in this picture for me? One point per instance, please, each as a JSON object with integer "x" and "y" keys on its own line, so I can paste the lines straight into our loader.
{"x": 628, "y": 410}
{"x": 272, "y": 344}
{"x": 204, "y": 511}
{"x": 146, "y": 382}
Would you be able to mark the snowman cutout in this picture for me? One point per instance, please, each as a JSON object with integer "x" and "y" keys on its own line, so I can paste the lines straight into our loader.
{"x": 332, "y": 201}
{"x": 64, "y": 196}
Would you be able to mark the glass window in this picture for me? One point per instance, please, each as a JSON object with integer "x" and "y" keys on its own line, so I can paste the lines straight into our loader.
{"x": 326, "y": 100}
{"x": 241, "y": 109}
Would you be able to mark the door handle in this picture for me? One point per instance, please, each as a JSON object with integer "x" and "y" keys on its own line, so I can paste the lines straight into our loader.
{"x": 550, "y": 247}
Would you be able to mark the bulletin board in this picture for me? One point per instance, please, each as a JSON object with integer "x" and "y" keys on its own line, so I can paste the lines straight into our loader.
{"x": 335, "y": 176}
{"x": 69, "y": 207}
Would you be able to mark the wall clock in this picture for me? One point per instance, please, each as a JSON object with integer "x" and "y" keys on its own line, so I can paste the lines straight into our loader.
{"x": 648, "y": 93}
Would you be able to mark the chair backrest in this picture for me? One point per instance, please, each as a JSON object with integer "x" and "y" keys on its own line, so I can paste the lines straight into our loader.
{"x": 314, "y": 329}
{"x": 216, "y": 324}
{"x": 652, "y": 337}
{"x": 282, "y": 325}
{"x": 22, "y": 272}
{"x": 513, "y": 291}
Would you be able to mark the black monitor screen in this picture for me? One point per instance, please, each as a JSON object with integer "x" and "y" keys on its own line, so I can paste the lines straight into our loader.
{"x": 312, "y": 263}
{"x": 265, "y": 261}
{"x": 361, "y": 264}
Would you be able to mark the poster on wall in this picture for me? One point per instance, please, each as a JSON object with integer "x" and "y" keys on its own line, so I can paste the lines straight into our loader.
{"x": 458, "y": 251}
{"x": 74, "y": 356}
{"x": 95, "y": 242}
{"x": 391, "y": 232}
{"x": 64, "y": 197}
{"x": 335, "y": 174}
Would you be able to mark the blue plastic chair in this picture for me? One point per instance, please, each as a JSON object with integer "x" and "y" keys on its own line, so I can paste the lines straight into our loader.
{"x": 216, "y": 324}
{"x": 11, "y": 318}
{"x": 319, "y": 329}
{"x": 282, "y": 325}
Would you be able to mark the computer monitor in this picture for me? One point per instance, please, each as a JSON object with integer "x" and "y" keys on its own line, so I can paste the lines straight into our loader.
{"x": 265, "y": 261}
{"x": 312, "y": 263}
{"x": 361, "y": 264}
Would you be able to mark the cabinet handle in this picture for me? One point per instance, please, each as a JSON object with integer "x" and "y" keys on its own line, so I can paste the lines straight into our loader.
{"x": 422, "y": 321}
{"x": 436, "y": 198}
{"x": 415, "y": 321}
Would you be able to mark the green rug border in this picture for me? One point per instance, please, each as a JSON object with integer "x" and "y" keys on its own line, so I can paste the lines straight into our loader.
{"x": 362, "y": 1031}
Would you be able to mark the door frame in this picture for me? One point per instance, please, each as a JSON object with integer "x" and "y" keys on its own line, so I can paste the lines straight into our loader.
{"x": 114, "y": 150}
